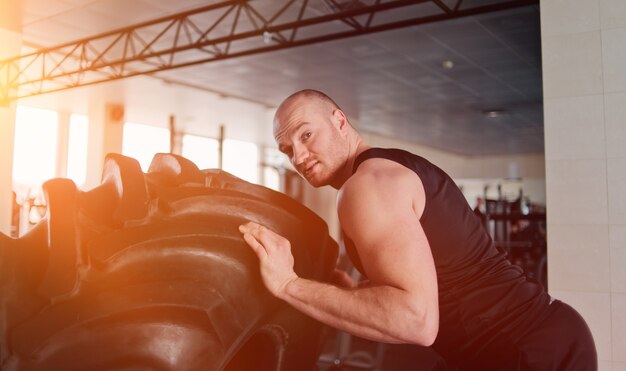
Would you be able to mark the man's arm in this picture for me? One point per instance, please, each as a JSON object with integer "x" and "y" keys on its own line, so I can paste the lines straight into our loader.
{"x": 401, "y": 304}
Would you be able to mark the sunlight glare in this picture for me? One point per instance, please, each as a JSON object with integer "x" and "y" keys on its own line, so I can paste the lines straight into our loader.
{"x": 35, "y": 151}
{"x": 242, "y": 159}
{"x": 142, "y": 142}
{"x": 77, "y": 149}
{"x": 202, "y": 151}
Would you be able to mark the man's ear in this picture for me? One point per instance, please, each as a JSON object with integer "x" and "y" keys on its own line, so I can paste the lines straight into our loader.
{"x": 340, "y": 119}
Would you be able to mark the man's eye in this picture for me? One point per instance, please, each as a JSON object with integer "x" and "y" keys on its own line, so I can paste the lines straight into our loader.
{"x": 306, "y": 135}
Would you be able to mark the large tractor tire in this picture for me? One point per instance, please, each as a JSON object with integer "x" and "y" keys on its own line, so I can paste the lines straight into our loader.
{"x": 149, "y": 272}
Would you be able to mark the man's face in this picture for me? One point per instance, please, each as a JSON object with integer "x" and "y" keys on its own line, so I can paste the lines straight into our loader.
{"x": 308, "y": 132}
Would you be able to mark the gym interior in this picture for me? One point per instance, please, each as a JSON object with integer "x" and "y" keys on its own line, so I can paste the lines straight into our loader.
{"x": 521, "y": 102}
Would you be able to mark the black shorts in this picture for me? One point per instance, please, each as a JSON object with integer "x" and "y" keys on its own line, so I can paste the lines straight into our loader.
{"x": 562, "y": 341}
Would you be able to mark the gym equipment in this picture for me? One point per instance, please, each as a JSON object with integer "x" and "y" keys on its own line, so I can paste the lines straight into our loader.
{"x": 149, "y": 271}
{"x": 520, "y": 231}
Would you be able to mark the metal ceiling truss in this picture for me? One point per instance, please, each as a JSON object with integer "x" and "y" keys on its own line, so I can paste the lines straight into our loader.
{"x": 219, "y": 31}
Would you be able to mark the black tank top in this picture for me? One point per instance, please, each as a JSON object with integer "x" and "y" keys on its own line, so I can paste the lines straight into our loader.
{"x": 485, "y": 302}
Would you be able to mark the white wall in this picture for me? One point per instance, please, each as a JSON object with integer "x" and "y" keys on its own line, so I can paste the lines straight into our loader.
{"x": 151, "y": 101}
{"x": 10, "y": 42}
{"x": 584, "y": 80}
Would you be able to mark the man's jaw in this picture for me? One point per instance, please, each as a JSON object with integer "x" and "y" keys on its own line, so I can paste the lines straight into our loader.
{"x": 307, "y": 169}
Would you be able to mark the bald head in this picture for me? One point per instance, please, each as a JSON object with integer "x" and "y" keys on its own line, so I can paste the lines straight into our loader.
{"x": 306, "y": 97}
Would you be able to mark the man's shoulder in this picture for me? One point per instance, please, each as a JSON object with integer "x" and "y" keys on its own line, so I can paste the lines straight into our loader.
{"x": 382, "y": 177}
{"x": 373, "y": 172}
{"x": 381, "y": 171}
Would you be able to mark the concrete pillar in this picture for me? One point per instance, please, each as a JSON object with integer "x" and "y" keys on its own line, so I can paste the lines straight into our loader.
{"x": 10, "y": 43}
{"x": 584, "y": 89}
{"x": 113, "y": 128}
{"x": 63, "y": 139}
{"x": 176, "y": 137}
{"x": 106, "y": 129}
{"x": 95, "y": 144}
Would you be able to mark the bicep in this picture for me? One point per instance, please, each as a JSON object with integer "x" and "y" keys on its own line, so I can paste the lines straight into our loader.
{"x": 391, "y": 243}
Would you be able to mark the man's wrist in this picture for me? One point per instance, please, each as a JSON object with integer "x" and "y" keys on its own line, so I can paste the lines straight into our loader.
{"x": 288, "y": 288}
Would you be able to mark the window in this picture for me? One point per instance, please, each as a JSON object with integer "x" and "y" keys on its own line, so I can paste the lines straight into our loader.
{"x": 77, "y": 149}
{"x": 271, "y": 178}
{"x": 142, "y": 142}
{"x": 202, "y": 151}
{"x": 273, "y": 162}
{"x": 35, "y": 150}
{"x": 241, "y": 159}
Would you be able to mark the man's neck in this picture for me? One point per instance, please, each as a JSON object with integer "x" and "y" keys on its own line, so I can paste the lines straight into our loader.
{"x": 355, "y": 149}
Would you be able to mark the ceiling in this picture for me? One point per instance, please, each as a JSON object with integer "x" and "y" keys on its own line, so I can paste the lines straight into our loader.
{"x": 436, "y": 84}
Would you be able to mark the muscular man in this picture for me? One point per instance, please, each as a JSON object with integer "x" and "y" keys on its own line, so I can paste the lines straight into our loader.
{"x": 435, "y": 277}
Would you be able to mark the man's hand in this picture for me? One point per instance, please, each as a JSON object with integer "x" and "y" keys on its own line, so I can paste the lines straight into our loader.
{"x": 274, "y": 252}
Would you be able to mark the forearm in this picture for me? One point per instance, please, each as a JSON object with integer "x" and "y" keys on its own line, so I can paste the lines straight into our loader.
{"x": 379, "y": 313}
{"x": 387, "y": 313}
